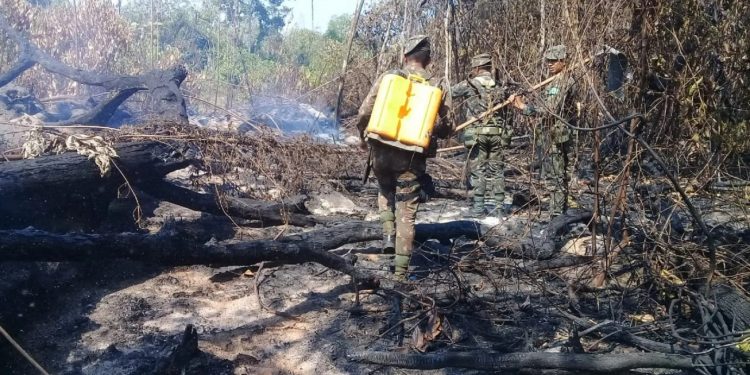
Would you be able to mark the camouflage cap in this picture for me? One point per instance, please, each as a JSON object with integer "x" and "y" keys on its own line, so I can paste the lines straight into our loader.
{"x": 417, "y": 43}
{"x": 482, "y": 59}
{"x": 558, "y": 52}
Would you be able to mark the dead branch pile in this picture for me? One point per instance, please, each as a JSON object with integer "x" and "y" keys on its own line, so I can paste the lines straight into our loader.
{"x": 261, "y": 164}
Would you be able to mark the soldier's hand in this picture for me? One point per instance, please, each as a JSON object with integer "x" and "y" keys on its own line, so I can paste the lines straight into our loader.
{"x": 517, "y": 101}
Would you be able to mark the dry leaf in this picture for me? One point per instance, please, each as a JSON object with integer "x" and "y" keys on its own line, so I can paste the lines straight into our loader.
{"x": 421, "y": 337}
{"x": 643, "y": 318}
{"x": 434, "y": 326}
{"x": 417, "y": 339}
{"x": 671, "y": 278}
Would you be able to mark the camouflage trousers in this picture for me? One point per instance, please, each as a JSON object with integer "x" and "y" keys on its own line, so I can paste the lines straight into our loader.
{"x": 399, "y": 173}
{"x": 553, "y": 145}
{"x": 487, "y": 171}
{"x": 555, "y": 170}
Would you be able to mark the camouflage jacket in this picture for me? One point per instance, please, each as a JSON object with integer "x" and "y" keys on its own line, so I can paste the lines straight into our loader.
{"x": 481, "y": 93}
{"x": 442, "y": 129}
{"x": 558, "y": 98}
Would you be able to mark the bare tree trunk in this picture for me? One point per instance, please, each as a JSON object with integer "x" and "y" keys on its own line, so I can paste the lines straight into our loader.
{"x": 352, "y": 33}
{"x": 383, "y": 47}
{"x": 542, "y": 31}
{"x": 406, "y": 27}
{"x": 449, "y": 19}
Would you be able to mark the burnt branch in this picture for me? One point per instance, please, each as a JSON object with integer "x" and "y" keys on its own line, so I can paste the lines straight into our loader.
{"x": 102, "y": 112}
{"x": 176, "y": 248}
{"x": 266, "y": 212}
{"x": 163, "y": 85}
{"x": 514, "y": 361}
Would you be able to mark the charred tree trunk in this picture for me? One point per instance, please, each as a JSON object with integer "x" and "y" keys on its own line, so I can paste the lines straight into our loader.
{"x": 162, "y": 85}
{"x": 267, "y": 212}
{"x": 172, "y": 247}
{"x": 66, "y": 191}
{"x": 538, "y": 246}
{"x": 178, "y": 247}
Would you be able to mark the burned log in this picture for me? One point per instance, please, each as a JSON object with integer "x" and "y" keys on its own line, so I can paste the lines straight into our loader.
{"x": 173, "y": 247}
{"x": 67, "y": 191}
{"x": 514, "y": 361}
{"x": 163, "y": 85}
{"x": 268, "y": 213}
{"x": 169, "y": 248}
{"x": 734, "y": 305}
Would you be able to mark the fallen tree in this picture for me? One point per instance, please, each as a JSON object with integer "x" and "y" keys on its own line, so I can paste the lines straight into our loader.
{"x": 173, "y": 247}
{"x": 66, "y": 191}
{"x": 163, "y": 85}
{"x": 539, "y": 245}
{"x": 268, "y": 213}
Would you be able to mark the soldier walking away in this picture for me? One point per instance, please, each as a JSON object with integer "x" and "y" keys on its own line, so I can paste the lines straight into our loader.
{"x": 486, "y": 139}
{"x": 399, "y": 172}
{"x": 554, "y": 136}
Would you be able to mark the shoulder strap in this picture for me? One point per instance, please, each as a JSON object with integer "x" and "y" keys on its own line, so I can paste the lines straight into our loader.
{"x": 399, "y": 72}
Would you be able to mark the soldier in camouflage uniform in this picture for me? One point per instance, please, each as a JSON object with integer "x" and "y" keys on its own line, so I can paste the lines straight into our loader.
{"x": 399, "y": 172}
{"x": 486, "y": 139}
{"x": 554, "y": 136}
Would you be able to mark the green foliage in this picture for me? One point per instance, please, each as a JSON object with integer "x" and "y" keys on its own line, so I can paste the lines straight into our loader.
{"x": 316, "y": 55}
{"x": 231, "y": 48}
{"x": 239, "y": 42}
{"x": 338, "y": 28}
{"x": 232, "y": 41}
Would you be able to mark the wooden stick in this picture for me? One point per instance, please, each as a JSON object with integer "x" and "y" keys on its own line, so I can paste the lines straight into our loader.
{"x": 505, "y": 103}
{"x": 456, "y": 148}
{"x": 453, "y": 148}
